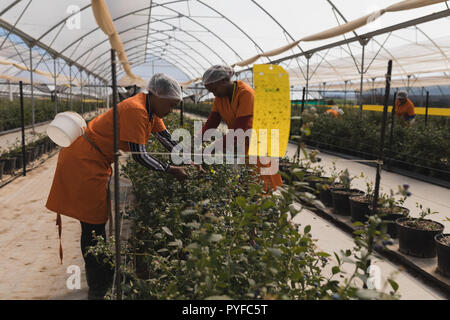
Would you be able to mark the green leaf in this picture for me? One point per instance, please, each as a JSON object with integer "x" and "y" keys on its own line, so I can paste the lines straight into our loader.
{"x": 162, "y": 250}
{"x": 167, "y": 230}
{"x": 176, "y": 243}
{"x": 323, "y": 254}
{"x": 335, "y": 270}
{"x": 241, "y": 202}
{"x": 275, "y": 251}
{"x": 267, "y": 204}
{"x": 393, "y": 284}
{"x": 188, "y": 212}
{"x": 307, "y": 229}
{"x": 215, "y": 237}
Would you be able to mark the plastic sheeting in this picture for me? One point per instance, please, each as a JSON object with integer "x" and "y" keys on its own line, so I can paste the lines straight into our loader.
{"x": 193, "y": 35}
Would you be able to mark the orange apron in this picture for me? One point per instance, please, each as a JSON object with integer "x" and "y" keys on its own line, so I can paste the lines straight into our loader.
{"x": 242, "y": 106}
{"x": 79, "y": 188}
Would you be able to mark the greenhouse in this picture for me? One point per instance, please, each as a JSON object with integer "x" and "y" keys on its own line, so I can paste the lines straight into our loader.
{"x": 247, "y": 150}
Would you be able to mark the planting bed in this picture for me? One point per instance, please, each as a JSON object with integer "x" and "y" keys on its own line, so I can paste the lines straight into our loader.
{"x": 424, "y": 267}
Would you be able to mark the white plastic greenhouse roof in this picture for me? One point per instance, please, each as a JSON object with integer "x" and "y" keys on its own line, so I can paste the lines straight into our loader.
{"x": 184, "y": 37}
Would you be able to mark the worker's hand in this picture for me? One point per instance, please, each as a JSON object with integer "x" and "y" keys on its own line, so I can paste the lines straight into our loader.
{"x": 199, "y": 167}
{"x": 178, "y": 173}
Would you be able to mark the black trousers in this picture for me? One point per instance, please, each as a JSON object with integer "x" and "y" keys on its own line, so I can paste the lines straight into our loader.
{"x": 98, "y": 273}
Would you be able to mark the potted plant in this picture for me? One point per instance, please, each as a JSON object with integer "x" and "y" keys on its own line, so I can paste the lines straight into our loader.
{"x": 417, "y": 235}
{"x": 391, "y": 209}
{"x": 340, "y": 196}
{"x": 443, "y": 252}
{"x": 324, "y": 187}
{"x": 360, "y": 204}
{"x": 2, "y": 165}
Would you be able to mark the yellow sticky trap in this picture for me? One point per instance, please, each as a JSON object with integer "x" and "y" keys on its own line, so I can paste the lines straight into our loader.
{"x": 272, "y": 111}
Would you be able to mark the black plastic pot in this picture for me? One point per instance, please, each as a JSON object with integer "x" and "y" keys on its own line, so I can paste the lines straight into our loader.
{"x": 416, "y": 242}
{"x": 341, "y": 202}
{"x": 359, "y": 210}
{"x": 29, "y": 156}
{"x": 390, "y": 218}
{"x": 10, "y": 165}
{"x": 19, "y": 162}
{"x": 443, "y": 254}
{"x": 2, "y": 165}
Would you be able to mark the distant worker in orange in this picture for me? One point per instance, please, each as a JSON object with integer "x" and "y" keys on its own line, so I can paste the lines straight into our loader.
{"x": 335, "y": 112}
{"x": 404, "y": 108}
{"x": 233, "y": 104}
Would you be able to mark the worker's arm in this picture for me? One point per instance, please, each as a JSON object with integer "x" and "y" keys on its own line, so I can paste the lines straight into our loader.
{"x": 213, "y": 122}
{"x": 166, "y": 139}
{"x": 141, "y": 156}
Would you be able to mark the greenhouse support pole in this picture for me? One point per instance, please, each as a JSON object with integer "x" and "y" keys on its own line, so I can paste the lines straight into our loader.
{"x": 303, "y": 100}
{"x": 383, "y": 134}
{"x": 70, "y": 86}
{"x": 362, "y": 79}
{"x": 308, "y": 58}
{"x": 427, "y": 103}
{"x": 54, "y": 80}
{"x": 116, "y": 176}
{"x": 391, "y": 134}
{"x": 345, "y": 93}
{"x": 10, "y": 91}
{"x": 31, "y": 84}
{"x": 181, "y": 113}
{"x": 81, "y": 88}
{"x": 22, "y": 116}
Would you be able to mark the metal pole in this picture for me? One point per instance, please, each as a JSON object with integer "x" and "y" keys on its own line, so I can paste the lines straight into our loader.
{"x": 181, "y": 113}
{"x": 308, "y": 57}
{"x": 81, "y": 87}
{"x": 32, "y": 91}
{"x": 56, "y": 91}
{"x": 391, "y": 135}
{"x": 362, "y": 79}
{"x": 345, "y": 93}
{"x": 116, "y": 176}
{"x": 427, "y": 103}
{"x": 70, "y": 86}
{"x": 303, "y": 99}
{"x": 89, "y": 92}
{"x": 383, "y": 134}
{"x": 24, "y": 159}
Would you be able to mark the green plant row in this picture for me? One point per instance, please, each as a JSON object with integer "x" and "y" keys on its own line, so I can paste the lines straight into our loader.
{"x": 218, "y": 235}
{"x": 10, "y": 114}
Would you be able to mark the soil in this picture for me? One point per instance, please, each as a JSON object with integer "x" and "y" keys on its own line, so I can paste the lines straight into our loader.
{"x": 422, "y": 225}
{"x": 361, "y": 199}
{"x": 344, "y": 192}
{"x": 445, "y": 241}
{"x": 397, "y": 210}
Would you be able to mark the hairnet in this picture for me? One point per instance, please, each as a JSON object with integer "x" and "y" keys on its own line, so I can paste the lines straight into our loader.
{"x": 217, "y": 73}
{"x": 402, "y": 94}
{"x": 163, "y": 86}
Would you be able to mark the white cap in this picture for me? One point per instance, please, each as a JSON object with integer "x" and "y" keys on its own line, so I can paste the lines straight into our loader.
{"x": 217, "y": 73}
{"x": 163, "y": 86}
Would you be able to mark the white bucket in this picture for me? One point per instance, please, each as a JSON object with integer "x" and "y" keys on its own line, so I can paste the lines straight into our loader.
{"x": 66, "y": 128}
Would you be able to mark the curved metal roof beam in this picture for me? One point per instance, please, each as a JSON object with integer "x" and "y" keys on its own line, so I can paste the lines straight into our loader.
{"x": 132, "y": 28}
{"x": 234, "y": 24}
{"x": 356, "y": 34}
{"x": 203, "y": 26}
{"x": 139, "y": 63}
{"x": 139, "y": 45}
{"x": 92, "y": 31}
{"x": 137, "y": 38}
{"x": 178, "y": 57}
{"x": 154, "y": 4}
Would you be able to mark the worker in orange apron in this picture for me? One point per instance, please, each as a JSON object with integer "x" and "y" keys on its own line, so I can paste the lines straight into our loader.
{"x": 233, "y": 104}
{"x": 79, "y": 188}
{"x": 404, "y": 108}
